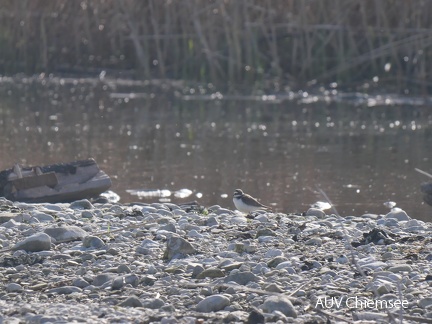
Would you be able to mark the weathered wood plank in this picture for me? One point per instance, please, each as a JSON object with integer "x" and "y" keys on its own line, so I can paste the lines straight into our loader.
{"x": 46, "y": 179}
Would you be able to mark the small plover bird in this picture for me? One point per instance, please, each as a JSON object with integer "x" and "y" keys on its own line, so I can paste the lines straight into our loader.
{"x": 246, "y": 203}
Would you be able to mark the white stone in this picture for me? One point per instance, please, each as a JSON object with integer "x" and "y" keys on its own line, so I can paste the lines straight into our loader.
{"x": 398, "y": 214}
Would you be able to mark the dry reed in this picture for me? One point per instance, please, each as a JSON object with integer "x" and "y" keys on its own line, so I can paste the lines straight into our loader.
{"x": 233, "y": 43}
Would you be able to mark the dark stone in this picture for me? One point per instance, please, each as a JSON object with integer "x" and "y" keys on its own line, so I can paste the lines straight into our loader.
{"x": 375, "y": 236}
{"x": 255, "y": 317}
{"x": 27, "y": 259}
{"x": 242, "y": 277}
{"x": 132, "y": 301}
{"x": 275, "y": 261}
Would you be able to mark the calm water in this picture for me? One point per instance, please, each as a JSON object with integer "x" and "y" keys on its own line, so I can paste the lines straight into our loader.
{"x": 279, "y": 151}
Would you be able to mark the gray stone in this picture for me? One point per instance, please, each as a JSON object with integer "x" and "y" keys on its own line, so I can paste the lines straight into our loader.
{"x": 400, "y": 268}
{"x": 273, "y": 253}
{"x": 213, "y": 208}
{"x": 211, "y": 221}
{"x": 10, "y": 224}
{"x": 315, "y": 212}
{"x": 53, "y": 207}
{"x": 118, "y": 283}
{"x": 81, "y": 204}
{"x": 80, "y": 282}
{"x": 194, "y": 234}
{"x": 87, "y": 214}
{"x": 5, "y": 202}
{"x": 14, "y": 287}
{"x": 273, "y": 288}
{"x": 164, "y": 212}
{"x": 314, "y": 241}
{"x": 206, "y": 291}
{"x": 123, "y": 268}
{"x": 132, "y": 279}
{"x": 211, "y": 273}
{"x": 43, "y": 217}
{"x": 368, "y": 317}
{"x": 178, "y": 247}
{"x": 65, "y": 290}
{"x": 231, "y": 266}
{"x": 242, "y": 277}
{"x": 389, "y": 222}
{"x": 5, "y": 216}
{"x": 65, "y": 233}
{"x": 262, "y": 218}
{"x": 245, "y": 247}
{"x": 213, "y": 303}
{"x": 371, "y": 263}
{"x": 266, "y": 239}
{"x": 149, "y": 244}
{"x": 91, "y": 241}
{"x": 169, "y": 309}
{"x": 131, "y": 301}
{"x": 154, "y": 303}
{"x": 279, "y": 303}
{"x": 100, "y": 279}
{"x": 425, "y": 302}
{"x": 171, "y": 206}
{"x": 197, "y": 270}
{"x": 274, "y": 262}
{"x": 383, "y": 289}
{"x": 342, "y": 259}
{"x": 239, "y": 220}
{"x": 255, "y": 317}
{"x": 148, "y": 209}
{"x": 34, "y": 243}
{"x": 149, "y": 280}
{"x": 25, "y": 218}
{"x": 265, "y": 232}
{"x": 170, "y": 227}
{"x": 284, "y": 265}
{"x": 221, "y": 211}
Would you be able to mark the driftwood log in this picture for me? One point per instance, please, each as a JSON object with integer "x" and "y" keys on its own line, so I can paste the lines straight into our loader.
{"x": 62, "y": 182}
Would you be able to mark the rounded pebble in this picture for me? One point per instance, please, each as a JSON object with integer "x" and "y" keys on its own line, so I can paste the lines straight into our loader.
{"x": 213, "y": 303}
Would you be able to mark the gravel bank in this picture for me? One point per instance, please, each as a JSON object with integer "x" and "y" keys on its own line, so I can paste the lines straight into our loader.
{"x": 103, "y": 263}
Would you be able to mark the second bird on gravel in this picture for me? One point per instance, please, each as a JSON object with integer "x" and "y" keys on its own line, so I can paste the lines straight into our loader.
{"x": 246, "y": 203}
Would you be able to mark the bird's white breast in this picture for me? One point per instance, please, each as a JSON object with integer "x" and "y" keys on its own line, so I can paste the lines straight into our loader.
{"x": 241, "y": 206}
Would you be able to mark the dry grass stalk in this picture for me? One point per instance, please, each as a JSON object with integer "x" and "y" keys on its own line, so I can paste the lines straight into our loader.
{"x": 237, "y": 42}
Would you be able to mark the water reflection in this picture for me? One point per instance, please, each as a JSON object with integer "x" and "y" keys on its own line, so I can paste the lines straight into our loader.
{"x": 277, "y": 150}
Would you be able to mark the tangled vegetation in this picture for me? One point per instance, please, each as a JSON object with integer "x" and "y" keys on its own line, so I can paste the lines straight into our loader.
{"x": 355, "y": 44}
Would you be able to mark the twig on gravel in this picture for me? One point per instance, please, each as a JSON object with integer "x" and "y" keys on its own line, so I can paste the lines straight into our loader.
{"x": 303, "y": 285}
{"x": 423, "y": 172}
{"x": 329, "y": 315}
{"x": 418, "y": 319}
